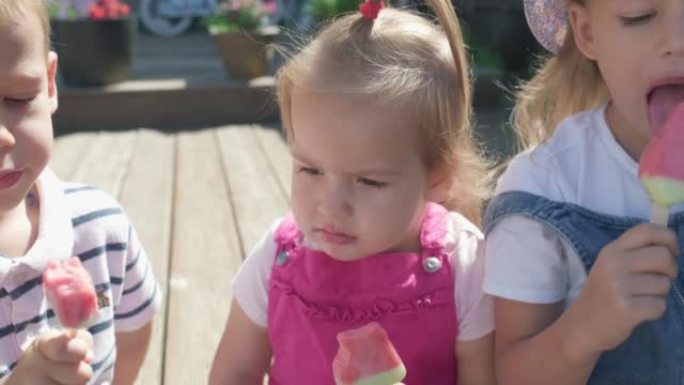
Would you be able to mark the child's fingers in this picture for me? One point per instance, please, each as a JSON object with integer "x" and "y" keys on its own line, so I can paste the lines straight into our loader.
{"x": 645, "y": 235}
{"x": 81, "y": 346}
{"x": 66, "y": 346}
{"x": 648, "y": 308}
{"x": 52, "y": 343}
{"x": 71, "y": 373}
{"x": 653, "y": 259}
{"x": 650, "y": 285}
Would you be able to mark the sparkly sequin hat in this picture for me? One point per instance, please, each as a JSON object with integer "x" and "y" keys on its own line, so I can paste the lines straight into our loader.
{"x": 548, "y": 20}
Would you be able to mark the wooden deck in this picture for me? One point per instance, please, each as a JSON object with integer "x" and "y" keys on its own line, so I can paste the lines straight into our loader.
{"x": 199, "y": 201}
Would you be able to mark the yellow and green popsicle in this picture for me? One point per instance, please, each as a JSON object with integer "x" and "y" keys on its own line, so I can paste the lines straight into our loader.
{"x": 661, "y": 167}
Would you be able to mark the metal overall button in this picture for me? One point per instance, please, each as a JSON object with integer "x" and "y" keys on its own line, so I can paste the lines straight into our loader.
{"x": 281, "y": 258}
{"x": 432, "y": 264}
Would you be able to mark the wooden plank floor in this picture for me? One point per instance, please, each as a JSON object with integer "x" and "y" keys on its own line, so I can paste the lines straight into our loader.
{"x": 199, "y": 201}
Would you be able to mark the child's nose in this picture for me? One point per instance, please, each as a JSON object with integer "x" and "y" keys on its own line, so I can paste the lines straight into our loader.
{"x": 334, "y": 202}
{"x": 674, "y": 30}
{"x": 7, "y": 140}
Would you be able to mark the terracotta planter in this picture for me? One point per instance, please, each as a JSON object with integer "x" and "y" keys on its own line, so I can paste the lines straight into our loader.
{"x": 246, "y": 55}
{"x": 94, "y": 52}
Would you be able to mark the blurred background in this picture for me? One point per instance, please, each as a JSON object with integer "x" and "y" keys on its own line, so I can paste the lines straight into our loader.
{"x": 180, "y": 64}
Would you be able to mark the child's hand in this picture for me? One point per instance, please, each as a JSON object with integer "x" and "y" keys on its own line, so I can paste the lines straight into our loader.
{"x": 628, "y": 285}
{"x": 57, "y": 357}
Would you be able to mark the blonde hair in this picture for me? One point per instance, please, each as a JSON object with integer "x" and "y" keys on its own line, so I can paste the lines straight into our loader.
{"x": 563, "y": 85}
{"x": 404, "y": 60}
{"x": 10, "y": 9}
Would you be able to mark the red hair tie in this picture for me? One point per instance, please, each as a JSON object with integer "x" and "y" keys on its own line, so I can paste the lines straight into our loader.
{"x": 370, "y": 9}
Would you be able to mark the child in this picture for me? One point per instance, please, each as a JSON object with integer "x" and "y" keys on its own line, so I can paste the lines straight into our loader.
{"x": 576, "y": 270}
{"x": 42, "y": 219}
{"x": 376, "y": 113}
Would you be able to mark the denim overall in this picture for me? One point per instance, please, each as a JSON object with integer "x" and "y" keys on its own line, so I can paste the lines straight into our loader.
{"x": 654, "y": 353}
{"x": 312, "y": 297}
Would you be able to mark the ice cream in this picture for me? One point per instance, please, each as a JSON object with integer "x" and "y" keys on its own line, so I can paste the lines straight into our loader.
{"x": 661, "y": 167}
{"x": 70, "y": 291}
{"x": 366, "y": 356}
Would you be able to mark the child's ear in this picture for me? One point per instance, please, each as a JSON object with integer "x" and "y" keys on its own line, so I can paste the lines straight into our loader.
{"x": 439, "y": 186}
{"x": 52, "y": 84}
{"x": 582, "y": 30}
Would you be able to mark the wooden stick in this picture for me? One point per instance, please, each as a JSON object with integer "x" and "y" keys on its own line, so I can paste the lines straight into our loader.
{"x": 660, "y": 214}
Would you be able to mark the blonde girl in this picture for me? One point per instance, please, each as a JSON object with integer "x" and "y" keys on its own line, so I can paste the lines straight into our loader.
{"x": 587, "y": 291}
{"x": 386, "y": 190}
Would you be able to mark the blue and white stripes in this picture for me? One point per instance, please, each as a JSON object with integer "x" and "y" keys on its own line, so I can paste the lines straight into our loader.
{"x": 107, "y": 245}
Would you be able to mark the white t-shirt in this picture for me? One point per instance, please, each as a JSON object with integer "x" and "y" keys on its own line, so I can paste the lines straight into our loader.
{"x": 582, "y": 164}
{"x": 475, "y": 310}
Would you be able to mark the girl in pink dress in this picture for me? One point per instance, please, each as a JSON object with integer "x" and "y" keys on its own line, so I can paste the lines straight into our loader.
{"x": 387, "y": 185}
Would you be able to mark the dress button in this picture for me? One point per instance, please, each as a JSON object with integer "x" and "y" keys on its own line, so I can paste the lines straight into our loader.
{"x": 281, "y": 258}
{"x": 432, "y": 264}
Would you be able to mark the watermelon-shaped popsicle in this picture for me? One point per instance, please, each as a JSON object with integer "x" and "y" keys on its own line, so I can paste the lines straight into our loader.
{"x": 661, "y": 167}
{"x": 367, "y": 357}
{"x": 70, "y": 291}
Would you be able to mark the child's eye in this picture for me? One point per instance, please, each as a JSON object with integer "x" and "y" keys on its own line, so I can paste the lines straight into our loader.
{"x": 372, "y": 183}
{"x": 19, "y": 102}
{"x": 309, "y": 171}
{"x": 630, "y": 21}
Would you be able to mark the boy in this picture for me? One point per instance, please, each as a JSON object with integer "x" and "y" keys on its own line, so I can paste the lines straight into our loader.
{"x": 42, "y": 218}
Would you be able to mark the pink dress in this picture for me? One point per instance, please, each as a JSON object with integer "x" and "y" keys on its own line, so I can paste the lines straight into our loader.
{"x": 312, "y": 297}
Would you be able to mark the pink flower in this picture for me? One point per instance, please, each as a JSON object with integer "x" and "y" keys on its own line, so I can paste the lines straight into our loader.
{"x": 235, "y": 5}
{"x": 269, "y": 6}
{"x": 108, "y": 10}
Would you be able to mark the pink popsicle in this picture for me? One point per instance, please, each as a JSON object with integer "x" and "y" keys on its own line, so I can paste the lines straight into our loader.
{"x": 366, "y": 356}
{"x": 70, "y": 291}
{"x": 661, "y": 167}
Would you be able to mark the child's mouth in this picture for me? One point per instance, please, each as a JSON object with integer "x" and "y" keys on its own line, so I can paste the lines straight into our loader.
{"x": 9, "y": 179}
{"x": 662, "y": 100}
{"x": 335, "y": 237}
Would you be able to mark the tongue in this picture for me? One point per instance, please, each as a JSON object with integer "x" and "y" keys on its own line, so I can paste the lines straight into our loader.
{"x": 662, "y": 102}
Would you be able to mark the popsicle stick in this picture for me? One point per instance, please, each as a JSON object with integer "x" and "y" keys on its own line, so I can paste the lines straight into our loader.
{"x": 660, "y": 214}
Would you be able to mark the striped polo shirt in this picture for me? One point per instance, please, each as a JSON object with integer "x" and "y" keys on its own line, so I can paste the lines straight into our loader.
{"x": 77, "y": 220}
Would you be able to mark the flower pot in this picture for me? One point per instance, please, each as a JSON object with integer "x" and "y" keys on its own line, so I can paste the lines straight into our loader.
{"x": 246, "y": 55}
{"x": 94, "y": 52}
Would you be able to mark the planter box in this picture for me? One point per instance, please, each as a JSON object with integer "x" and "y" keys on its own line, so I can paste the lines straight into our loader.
{"x": 246, "y": 55}
{"x": 92, "y": 52}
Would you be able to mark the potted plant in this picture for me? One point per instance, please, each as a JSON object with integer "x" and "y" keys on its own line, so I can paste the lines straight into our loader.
{"x": 93, "y": 40}
{"x": 243, "y": 35}
{"x": 324, "y": 10}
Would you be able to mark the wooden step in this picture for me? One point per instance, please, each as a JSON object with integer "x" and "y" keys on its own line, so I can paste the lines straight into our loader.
{"x": 166, "y": 105}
